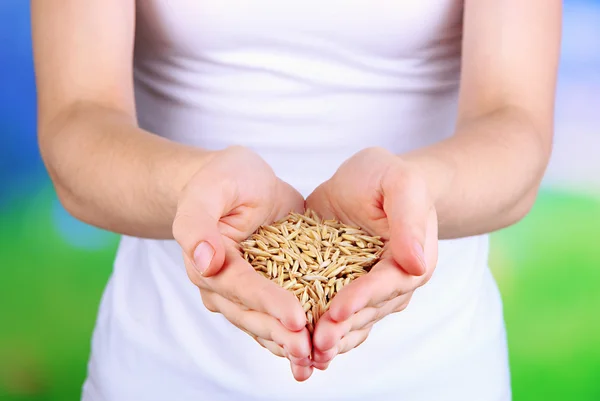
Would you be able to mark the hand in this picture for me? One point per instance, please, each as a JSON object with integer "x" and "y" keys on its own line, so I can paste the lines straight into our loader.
{"x": 385, "y": 196}
{"x": 225, "y": 202}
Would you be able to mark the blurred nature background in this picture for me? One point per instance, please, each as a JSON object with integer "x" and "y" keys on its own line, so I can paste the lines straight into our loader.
{"x": 53, "y": 268}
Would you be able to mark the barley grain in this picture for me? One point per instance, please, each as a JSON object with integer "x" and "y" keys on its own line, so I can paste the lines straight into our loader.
{"x": 312, "y": 258}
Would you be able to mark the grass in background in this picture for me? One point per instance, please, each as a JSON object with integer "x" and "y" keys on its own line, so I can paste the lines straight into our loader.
{"x": 548, "y": 269}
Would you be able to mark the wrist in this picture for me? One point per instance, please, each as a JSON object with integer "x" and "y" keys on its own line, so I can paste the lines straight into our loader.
{"x": 437, "y": 171}
{"x": 184, "y": 163}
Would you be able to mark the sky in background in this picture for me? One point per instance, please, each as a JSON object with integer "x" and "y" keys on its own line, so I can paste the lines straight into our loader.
{"x": 575, "y": 162}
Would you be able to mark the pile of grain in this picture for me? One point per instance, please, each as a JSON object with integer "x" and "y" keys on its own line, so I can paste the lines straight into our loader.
{"x": 312, "y": 258}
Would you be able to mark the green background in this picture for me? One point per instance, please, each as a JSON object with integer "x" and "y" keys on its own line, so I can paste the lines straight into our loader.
{"x": 547, "y": 266}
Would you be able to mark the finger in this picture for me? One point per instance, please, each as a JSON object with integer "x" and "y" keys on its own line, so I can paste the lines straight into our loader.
{"x": 323, "y": 357}
{"x": 299, "y": 361}
{"x": 407, "y": 206}
{"x": 261, "y": 325}
{"x": 281, "y": 352}
{"x": 321, "y": 365}
{"x": 353, "y": 340}
{"x": 296, "y": 204}
{"x": 383, "y": 283}
{"x": 271, "y": 346}
{"x": 241, "y": 284}
{"x": 329, "y": 332}
{"x": 195, "y": 228}
{"x": 301, "y": 373}
{"x": 208, "y": 299}
{"x": 271, "y": 207}
{"x": 319, "y": 202}
{"x": 350, "y": 341}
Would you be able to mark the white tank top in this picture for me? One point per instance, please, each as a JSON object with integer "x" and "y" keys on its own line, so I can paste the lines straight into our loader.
{"x": 306, "y": 84}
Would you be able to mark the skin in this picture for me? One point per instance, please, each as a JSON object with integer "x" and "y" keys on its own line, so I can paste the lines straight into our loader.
{"x": 150, "y": 187}
{"x": 482, "y": 179}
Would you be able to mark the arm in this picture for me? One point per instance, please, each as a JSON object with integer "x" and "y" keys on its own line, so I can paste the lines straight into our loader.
{"x": 106, "y": 170}
{"x": 486, "y": 176}
{"x": 483, "y": 178}
{"x": 112, "y": 174}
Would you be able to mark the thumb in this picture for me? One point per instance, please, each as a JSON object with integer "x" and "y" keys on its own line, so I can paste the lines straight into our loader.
{"x": 318, "y": 201}
{"x": 197, "y": 232}
{"x": 407, "y": 209}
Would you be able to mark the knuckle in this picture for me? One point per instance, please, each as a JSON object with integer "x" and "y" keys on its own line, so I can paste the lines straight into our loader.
{"x": 235, "y": 319}
{"x": 396, "y": 292}
{"x": 233, "y": 296}
{"x": 380, "y": 304}
{"x": 404, "y": 304}
{"x": 209, "y": 302}
{"x": 277, "y": 350}
{"x": 270, "y": 334}
{"x": 379, "y": 314}
{"x": 363, "y": 337}
{"x": 211, "y": 307}
{"x": 258, "y": 340}
{"x": 241, "y": 320}
{"x": 370, "y": 325}
{"x": 234, "y": 290}
{"x": 343, "y": 347}
{"x": 275, "y": 336}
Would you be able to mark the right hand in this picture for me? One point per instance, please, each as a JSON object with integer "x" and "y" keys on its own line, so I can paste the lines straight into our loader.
{"x": 233, "y": 194}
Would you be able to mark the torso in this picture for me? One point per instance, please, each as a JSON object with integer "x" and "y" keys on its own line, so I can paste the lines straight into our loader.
{"x": 305, "y": 84}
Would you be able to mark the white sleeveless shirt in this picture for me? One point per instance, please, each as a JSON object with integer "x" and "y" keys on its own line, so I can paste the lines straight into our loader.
{"x": 296, "y": 81}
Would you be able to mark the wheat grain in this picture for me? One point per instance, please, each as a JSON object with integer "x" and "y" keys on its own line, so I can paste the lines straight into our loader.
{"x": 312, "y": 258}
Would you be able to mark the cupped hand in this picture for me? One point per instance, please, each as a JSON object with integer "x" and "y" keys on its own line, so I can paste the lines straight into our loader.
{"x": 386, "y": 196}
{"x": 233, "y": 194}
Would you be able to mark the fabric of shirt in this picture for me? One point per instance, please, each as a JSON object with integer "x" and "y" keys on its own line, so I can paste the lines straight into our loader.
{"x": 306, "y": 84}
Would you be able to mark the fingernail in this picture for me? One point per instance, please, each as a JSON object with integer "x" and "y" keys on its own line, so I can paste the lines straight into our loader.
{"x": 420, "y": 254}
{"x": 203, "y": 256}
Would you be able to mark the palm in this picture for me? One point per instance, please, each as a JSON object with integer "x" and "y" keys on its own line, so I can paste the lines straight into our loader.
{"x": 246, "y": 194}
{"x": 379, "y": 192}
{"x": 254, "y": 209}
{"x": 376, "y": 191}
{"x": 213, "y": 216}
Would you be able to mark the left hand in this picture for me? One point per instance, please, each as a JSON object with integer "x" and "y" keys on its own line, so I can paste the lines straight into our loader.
{"x": 386, "y": 196}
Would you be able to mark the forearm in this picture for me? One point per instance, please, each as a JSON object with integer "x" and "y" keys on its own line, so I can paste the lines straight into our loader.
{"x": 111, "y": 174}
{"x": 486, "y": 176}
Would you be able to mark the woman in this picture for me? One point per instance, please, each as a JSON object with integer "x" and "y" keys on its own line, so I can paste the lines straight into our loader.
{"x": 201, "y": 120}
